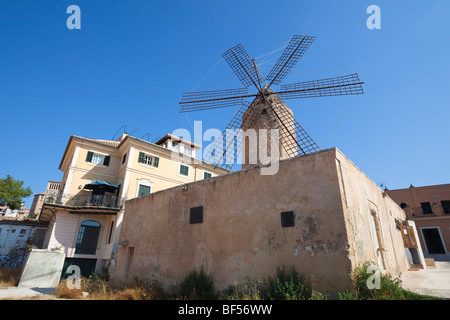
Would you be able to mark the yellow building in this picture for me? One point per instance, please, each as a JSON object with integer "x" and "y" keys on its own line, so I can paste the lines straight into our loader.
{"x": 85, "y": 210}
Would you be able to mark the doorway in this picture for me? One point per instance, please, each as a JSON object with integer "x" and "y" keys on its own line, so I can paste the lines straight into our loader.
{"x": 433, "y": 240}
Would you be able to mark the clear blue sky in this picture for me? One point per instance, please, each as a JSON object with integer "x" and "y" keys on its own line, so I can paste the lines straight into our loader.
{"x": 132, "y": 60}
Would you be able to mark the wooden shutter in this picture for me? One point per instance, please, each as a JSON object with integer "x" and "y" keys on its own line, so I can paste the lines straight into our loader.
{"x": 143, "y": 190}
{"x": 89, "y": 156}
{"x": 141, "y": 157}
{"x": 156, "y": 162}
{"x": 409, "y": 239}
{"x": 106, "y": 161}
{"x": 184, "y": 170}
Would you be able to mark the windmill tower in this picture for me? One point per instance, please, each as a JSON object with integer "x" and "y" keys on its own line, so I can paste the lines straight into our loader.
{"x": 267, "y": 111}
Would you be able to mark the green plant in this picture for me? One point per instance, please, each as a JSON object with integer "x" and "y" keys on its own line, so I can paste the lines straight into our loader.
{"x": 386, "y": 287}
{"x": 198, "y": 285}
{"x": 346, "y": 295}
{"x": 248, "y": 291}
{"x": 288, "y": 285}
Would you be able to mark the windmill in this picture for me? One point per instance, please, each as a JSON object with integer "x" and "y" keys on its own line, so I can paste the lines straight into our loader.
{"x": 267, "y": 110}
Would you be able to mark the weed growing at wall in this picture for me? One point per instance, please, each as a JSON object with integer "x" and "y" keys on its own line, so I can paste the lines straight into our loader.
{"x": 198, "y": 285}
{"x": 389, "y": 288}
{"x": 9, "y": 277}
{"x": 287, "y": 285}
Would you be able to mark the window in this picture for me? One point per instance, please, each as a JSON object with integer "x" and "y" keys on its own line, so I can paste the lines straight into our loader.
{"x": 175, "y": 146}
{"x": 196, "y": 215}
{"x": 445, "y": 206}
{"x": 287, "y": 219}
{"x": 184, "y": 170}
{"x": 187, "y": 151}
{"x": 433, "y": 240}
{"x": 13, "y": 231}
{"x": 143, "y": 190}
{"x": 124, "y": 158}
{"x": 148, "y": 160}
{"x": 207, "y": 175}
{"x": 426, "y": 208}
{"x": 97, "y": 158}
{"x": 87, "y": 237}
{"x": 111, "y": 229}
{"x": 22, "y": 232}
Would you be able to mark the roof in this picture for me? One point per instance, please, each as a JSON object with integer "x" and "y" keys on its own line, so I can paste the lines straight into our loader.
{"x": 116, "y": 145}
{"x": 177, "y": 139}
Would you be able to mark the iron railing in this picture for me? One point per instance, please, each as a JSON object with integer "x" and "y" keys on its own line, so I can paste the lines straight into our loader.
{"x": 436, "y": 210}
{"x": 83, "y": 200}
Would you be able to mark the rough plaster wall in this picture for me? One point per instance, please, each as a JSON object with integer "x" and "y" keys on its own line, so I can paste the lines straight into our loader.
{"x": 64, "y": 231}
{"x": 360, "y": 196}
{"x": 241, "y": 237}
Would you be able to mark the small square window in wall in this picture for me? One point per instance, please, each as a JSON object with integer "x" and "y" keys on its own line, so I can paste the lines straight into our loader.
{"x": 287, "y": 219}
{"x": 184, "y": 170}
{"x": 196, "y": 215}
{"x": 207, "y": 175}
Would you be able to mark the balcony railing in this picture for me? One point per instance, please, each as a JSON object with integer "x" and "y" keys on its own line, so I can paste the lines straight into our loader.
{"x": 83, "y": 200}
{"x": 436, "y": 210}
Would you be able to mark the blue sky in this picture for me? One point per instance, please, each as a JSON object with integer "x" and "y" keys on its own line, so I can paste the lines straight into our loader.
{"x": 132, "y": 60}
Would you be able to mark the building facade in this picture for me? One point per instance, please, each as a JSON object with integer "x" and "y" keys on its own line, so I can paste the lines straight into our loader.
{"x": 429, "y": 208}
{"x": 16, "y": 237}
{"x": 36, "y": 206}
{"x": 318, "y": 213}
{"x": 85, "y": 210}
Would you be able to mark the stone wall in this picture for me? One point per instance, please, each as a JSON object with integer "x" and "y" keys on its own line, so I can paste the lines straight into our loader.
{"x": 241, "y": 237}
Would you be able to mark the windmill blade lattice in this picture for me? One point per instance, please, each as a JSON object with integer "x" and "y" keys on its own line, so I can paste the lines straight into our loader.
{"x": 338, "y": 86}
{"x": 243, "y": 66}
{"x": 203, "y": 100}
{"x": 293, "y": 52}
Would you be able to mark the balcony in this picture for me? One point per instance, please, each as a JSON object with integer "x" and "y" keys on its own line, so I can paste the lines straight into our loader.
{"x": 436, "y": 210}
{"x": 82, "y": 200}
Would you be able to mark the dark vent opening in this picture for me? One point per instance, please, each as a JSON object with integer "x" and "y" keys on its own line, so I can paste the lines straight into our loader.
{"x": 196, "y": 215}
{"x": 287, "y": 219}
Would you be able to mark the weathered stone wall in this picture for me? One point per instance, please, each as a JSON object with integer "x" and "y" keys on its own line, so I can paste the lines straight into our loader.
{"x": 363, "y": 202}
{"x": 241, "y": 237}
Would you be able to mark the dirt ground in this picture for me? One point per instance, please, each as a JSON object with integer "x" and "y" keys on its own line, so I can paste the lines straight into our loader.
{"x": 432, "y": 281}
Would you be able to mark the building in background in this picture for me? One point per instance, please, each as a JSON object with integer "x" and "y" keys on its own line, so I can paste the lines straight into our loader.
{"x": 36, "y": 206}
{"x": 429, "y": 208}
{"x": 18, "y": 214}
{"x": 17, "y": 237}
{"x": 85, "y": 210}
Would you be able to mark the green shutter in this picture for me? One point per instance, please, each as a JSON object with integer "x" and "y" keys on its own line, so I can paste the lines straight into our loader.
{"x": 143, "y": 190}
{"x": 106, "y": 161}
{"x": 141, "y": 157}
{"x": 89, "y": 156}
{"x": 184, "y": 170}
{"x": 156, "y": 162}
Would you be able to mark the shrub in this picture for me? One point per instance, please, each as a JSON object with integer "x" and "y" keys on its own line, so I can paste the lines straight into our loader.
{"x": 9, "y": 277}
{"x": 248, "y": 291}
{"x": 198, "y": 285}
{"x": 389, "y": 287}
{"x": 288, "y": 285}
